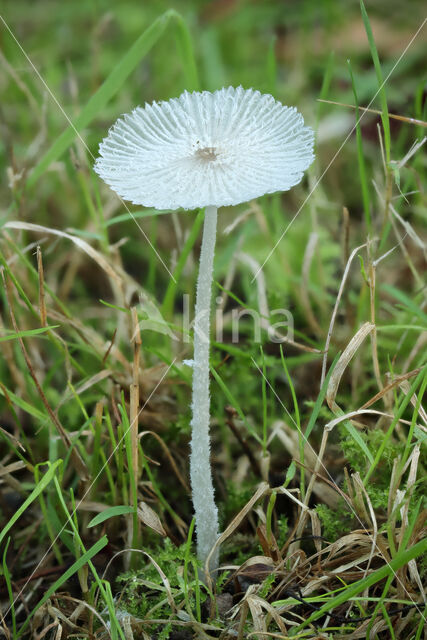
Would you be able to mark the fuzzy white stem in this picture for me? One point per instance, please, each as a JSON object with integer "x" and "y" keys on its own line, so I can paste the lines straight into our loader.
{"x": 206, "y": 513}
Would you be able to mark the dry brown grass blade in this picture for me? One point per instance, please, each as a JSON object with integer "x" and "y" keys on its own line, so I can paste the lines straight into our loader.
{"x": 6, "y": 434}
{"x": 344, "y": 361}
{"x": 81, "y": 605}
{"x": 353, "y": 414}
{"x": 169, "y": 456}
{"x": 345, "y": 235}
{"x": 237, "y": 520}
{"x": 90, "y": 336}
{"x": 359, "y": 486}
{"x": 255, "y": 607}
{"x": 418, "y": 347}
{"x": 289, "y": 438}
{"x": 278, "y": 636}
{"x": 91, "y": 382}
{"x": 196, "y": 629}
{"x": 8, "y": 356}
{"x": 405, "y": 386}
{"x": 268, "y": 542}
{"x": 90, "y": 505}
{"x": 75, "y": 455}
{"x": 272, "y": 613}
{"x": 409, "y": 231}
{"x": 353, "y": 563}
{"x": 410, "y": 485}
{"x": 348, "y": 543}
{"x": 42, "y": 302}
{"x": 15, "y": 74}
{"x": 395, "y": 116}
{"x": 335, "y": 489}
{"x": 259, "y": 565}
{"x": 13, "y": 466}
{"x": 335, "y": 310}
{"x": 389, "y": 387}
{"x": 291, "y": 496}
{"x": 12, "y": 482}
{"x": 148, "y": 379}
{"x": 316, "y": 529}
{"x": 299, "y": 528}
{"x": 81, "y": 244}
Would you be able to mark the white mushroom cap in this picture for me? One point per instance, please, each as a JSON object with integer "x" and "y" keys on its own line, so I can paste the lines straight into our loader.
{"x": 204, "y": 148}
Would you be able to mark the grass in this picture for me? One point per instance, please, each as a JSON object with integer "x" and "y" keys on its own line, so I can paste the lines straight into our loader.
{"x": 319, "y": 442}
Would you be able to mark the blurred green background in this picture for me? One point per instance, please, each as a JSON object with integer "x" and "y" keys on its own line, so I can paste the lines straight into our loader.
{"x": 296, "y": 50}
{"x": 281, "y": 47}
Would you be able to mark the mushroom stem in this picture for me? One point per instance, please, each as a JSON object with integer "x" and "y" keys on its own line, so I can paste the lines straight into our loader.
{"x": 206, "y": 513}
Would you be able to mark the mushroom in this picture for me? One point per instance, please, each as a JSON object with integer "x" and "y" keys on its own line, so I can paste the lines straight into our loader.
{"x": 205, "y": 150}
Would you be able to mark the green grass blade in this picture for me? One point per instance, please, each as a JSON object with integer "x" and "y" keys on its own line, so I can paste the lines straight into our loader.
{"x": 50, "y": 518}
{"x": 319, "y": 400}
{"x": 107, "y": 90}
{"x": 102, "y": 585}
{"x": 6, "y": 575}
{"x": 29, "y": 333}
{"x": 409, "y": 528}
{"x": 264, "y": 404}
{"x": 421, "y": 626}
{"x": 297, "y": 422}
{"x": 125, "y": 217}
{"x": 232, "y": 400}
{"x": 22, "y": 404}
{"x": 57, "y": 533}
{"x": 355, "y": 435}
{"x": 44, "y": 481}
{"x": 271, "y": 70}
{"x": 118, "y": 510}
{"x": 133, "y": 489}
{"x": 405, "y": 301}
{"x": 361, "y": 158}
{"x": 168, "y": 301}
{"x": 401, "y": 327}
{"x": 380, "y": 605}
{"x": 381, "y": 85}
{"x": 292, "y": 389}
{"x": 326, "y": 83}
{"x": 357, "y": 587}
{"x": 75, "y": 567}
{"x": 412, "y": 428}
{"x": 187, "y": 561}
{"x": 185, "y": 48}
{"x": 35, "y": 274}
{"x": 20, "y": 290}
{"x": 398, "y": 414}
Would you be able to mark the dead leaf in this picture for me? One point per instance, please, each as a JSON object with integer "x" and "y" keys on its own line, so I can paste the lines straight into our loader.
{"x": 150, "y": 518}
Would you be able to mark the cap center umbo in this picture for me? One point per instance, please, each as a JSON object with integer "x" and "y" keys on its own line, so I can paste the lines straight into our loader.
{"x": 207, "y": 153}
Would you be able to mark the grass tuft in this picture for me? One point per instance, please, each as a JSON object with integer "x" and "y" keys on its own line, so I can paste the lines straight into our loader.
{"x": 318, "y": 362}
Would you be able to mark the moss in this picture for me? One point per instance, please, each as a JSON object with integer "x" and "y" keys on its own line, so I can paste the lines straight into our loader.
{"x": 335, "y": 522}
{"x": 144, "y": 589}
